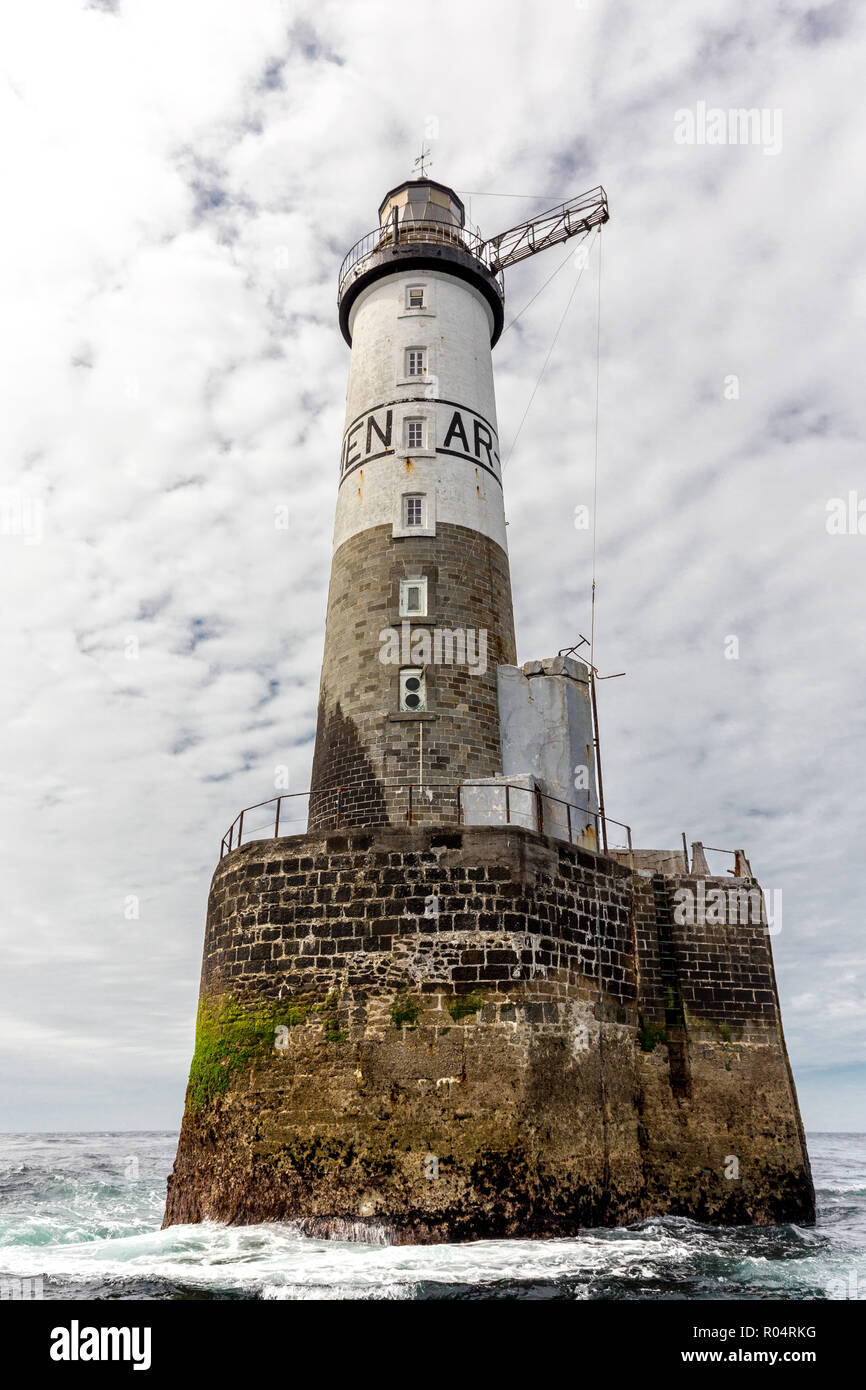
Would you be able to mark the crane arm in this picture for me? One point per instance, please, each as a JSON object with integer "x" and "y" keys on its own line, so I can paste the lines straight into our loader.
{"x": 569, "y": 219}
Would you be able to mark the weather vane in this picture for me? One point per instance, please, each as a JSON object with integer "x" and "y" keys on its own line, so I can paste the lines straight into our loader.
{"x": 419, "y": 167}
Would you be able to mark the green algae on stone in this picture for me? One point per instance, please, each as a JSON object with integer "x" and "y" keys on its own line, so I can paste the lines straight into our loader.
{"x": 405, "y": 1011}
{"x": 330, "y": 1022}
{"x": 464, "y": 1005}
{"x": 649, "y": 1036}
{"x": 228, "y": 1036}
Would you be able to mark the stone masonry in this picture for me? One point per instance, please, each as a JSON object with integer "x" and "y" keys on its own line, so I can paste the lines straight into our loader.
{"x": 415, "y": 1029}
{"x": 444, "y": 1034}
{"x": 363, "y": 745}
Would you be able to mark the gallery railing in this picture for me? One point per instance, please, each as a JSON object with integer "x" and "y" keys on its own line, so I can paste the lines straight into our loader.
{"x": 436, "y": 803}
{"x": 408, "y": 233}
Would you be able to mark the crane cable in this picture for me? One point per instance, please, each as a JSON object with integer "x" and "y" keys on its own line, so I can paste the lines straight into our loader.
{"x": 547, "y": 358}
{"x": 478, "y": 534}
{"x": 537, "y": 293}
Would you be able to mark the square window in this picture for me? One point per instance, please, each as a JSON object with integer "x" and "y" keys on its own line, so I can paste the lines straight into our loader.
{"x": 414, "y": 434}
{"x": 416, "y": 364}
{"x": 413, "y": 509}
{"x": 413, "y": 598}
{"x": 415, "y": 297}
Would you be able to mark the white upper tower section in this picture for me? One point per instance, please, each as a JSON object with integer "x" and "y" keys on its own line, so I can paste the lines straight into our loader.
{"x": 421, "y": 311}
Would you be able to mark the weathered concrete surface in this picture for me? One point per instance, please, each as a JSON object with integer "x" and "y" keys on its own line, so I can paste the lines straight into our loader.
{"x": 479, "y": 1032}
{"x": 545, "y": 720}
{"x": 485, "y": 801}
{"x": 659, "y": 861}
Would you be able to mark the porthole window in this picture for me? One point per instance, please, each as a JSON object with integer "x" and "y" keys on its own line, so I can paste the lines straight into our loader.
{"x": 413, "y": 690}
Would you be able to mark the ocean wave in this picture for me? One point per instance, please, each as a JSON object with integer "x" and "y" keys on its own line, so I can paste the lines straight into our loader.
{"x": 69, "y": 1213}
{"x": 272, "y": 1261}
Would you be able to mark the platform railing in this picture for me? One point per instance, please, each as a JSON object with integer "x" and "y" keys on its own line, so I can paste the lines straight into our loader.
{"x": 431, "y": 803}
{"x": 411, "y": 232}
{"x": 279, "y": 817}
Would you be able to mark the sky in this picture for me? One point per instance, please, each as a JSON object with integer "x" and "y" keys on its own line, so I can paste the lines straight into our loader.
{"x": 182, "y": 179}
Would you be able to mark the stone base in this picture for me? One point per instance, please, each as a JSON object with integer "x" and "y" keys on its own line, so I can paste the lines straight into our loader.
{"x": 421, "y": 1035}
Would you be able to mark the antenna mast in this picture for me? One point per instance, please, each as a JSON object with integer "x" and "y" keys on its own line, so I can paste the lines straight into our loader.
{"x": 419, "y": 168}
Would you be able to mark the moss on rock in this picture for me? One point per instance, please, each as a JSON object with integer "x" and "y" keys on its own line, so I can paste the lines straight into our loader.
{"x": 229, "y": 1035}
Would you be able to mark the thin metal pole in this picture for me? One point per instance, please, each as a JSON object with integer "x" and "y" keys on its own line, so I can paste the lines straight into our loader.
{"x": 568, "y": 818}
{"x": 598, "y": 757}
{"x": 507, "y": 803}
{"x": 240, "y": 827}
{"x": 685, "y": 851}
{"x": 277, "y": 819}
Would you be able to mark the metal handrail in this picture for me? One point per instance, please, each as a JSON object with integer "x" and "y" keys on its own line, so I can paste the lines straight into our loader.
{"x": 408, "y": 232}
{"x": 540, "y": 798}
{"x": 230, "y": 841}
{"x": 233, "y": 838}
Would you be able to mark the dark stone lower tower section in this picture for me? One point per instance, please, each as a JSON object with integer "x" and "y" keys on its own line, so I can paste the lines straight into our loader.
{"x": 451, "y": 1034}
{"x": 365, "y": 747}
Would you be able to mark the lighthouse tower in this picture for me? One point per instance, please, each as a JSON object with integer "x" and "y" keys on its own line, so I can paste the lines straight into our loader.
{"x": 441, "y": 1013}
{"x": 419, "y": 608}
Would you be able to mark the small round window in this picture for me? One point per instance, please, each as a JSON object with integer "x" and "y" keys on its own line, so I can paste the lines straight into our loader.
{"x": 412, "y": 692}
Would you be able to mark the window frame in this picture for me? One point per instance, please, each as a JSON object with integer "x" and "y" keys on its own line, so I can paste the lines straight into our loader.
{"x": 406, "y": 673}
{"x": 416, "y": 289}
{"x": 407, "y": 499}
{"x": 421, "y": 586}
{"x": 409, "y": 424}
{"x": 421, "y": 353}
{"x": 399, "y": 529}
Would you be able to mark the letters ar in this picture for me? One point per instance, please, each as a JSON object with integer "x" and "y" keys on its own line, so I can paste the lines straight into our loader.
{"x": 482, "y": 437}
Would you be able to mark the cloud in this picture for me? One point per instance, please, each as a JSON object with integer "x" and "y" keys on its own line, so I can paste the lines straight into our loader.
{"x": 182, "y": 183}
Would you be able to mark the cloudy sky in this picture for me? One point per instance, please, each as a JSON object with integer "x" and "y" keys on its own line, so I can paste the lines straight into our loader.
{"x": 181, "y": 181}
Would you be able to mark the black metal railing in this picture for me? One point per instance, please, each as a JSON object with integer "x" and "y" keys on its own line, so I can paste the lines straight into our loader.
{"x": 435, "y": 803}
{"x": 277, "y": 821}
{"x": 406, "y": 233}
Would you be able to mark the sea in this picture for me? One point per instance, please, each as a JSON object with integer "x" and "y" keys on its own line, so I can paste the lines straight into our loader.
{"x": 80, "y": 1218}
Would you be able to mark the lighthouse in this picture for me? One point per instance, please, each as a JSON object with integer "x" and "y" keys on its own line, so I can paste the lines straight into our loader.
{"x": 419, "y": 609}
{"x": 441, "y": 1013}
